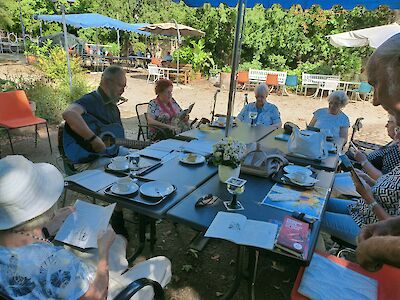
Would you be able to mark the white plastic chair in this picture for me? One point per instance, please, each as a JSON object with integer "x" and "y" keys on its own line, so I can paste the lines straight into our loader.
{"x": 330, "y": 86}
{"x": 155, "y": 71}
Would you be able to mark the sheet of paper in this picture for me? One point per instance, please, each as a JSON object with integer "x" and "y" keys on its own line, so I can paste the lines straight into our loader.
{"x": 259, "y": 234}
{"x": 153, "y": 153}
{"x": 167, "y": 145}
{"x": 344, "y": 185}
{"x": 202, "y": 147}
{"x": 226, "y": 226}
{"x": 324, "y": 279}
{"x": 83, "y": 226}
{"x": 94, "y": 180}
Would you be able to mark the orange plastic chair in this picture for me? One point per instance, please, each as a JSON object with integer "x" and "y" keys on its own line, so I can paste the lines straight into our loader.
{"x": 243, "y": 79}
{"x": 272, "y": 81}
{"x": 387, "y": 278}
{"x": 15, "y": 112}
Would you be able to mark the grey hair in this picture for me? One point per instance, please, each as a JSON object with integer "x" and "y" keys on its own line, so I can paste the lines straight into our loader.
{"x": 261, "y": 89}
{"x": 39, "y": 221}
{"x": 340, "y": 97}
{"x": 111, "y": 72}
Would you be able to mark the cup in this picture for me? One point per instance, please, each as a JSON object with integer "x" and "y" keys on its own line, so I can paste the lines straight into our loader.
{"x": 120, "y": 162}
{"x": 134, "y": 157}
{"x": 300, "y": 176}
{"x": 124, "y": 184}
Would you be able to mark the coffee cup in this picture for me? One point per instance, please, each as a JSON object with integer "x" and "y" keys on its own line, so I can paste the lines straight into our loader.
{"x": 124, "y": 184}
{"x": 299, "y": 177}
{"x": 134, "y": 157}
{"x": 120, "y": 162}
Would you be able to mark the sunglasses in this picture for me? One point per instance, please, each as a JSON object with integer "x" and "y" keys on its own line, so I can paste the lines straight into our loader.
{"x": 206, "y": 200}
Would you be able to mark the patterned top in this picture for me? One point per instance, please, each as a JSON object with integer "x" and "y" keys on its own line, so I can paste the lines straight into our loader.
{"x": 386, "y": 192}
{"x": 386, "y": 158}
{"x": 155, "y": 110}
{"x": 325, "y": 120}
{"x": 42, "y": 271}
{"x": 269, "y": 115}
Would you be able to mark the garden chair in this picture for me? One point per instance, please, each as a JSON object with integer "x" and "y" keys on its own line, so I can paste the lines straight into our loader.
{"x": 15, "y": 112}
{"x": 155, "y": 61}
{"x": 292, "y": 81}
{"x": 143, "y": 126}
{"x": 329, "y": 85}
{"x": 364, "y": 89}
{"x": 243, "y": 79}
{"x": 154, "y": 71}
{"x": 272, "y": 82}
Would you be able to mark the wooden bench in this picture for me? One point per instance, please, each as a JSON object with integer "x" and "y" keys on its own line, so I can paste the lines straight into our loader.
{"x": 185, "y": 73}
{"x": 308, "y": 80}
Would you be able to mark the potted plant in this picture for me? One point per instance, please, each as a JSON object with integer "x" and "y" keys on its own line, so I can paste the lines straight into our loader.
{"x": 227, "y": 155}
{"x": 202, "y": 61}
{"x": 226, "y": 76}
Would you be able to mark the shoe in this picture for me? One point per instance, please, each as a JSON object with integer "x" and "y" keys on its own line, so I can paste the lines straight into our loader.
{"x": 118, "y": 224}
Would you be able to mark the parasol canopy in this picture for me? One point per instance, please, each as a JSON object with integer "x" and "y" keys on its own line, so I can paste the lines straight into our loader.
{"x": 171, "y": 30}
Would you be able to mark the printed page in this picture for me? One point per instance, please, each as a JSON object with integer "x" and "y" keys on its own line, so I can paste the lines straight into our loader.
{"x": 83, "y": 226}
{"x": 153, "y": 153}
{"x": 228, "y": 226}
{"x": 203, "y": 147}
{"x": 259, "y": 234}
{"x": 167, "y": 145}
{"x": 94, "y": 180}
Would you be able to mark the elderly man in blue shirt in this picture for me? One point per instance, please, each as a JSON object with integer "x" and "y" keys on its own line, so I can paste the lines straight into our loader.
{"x": 267, "y": 113}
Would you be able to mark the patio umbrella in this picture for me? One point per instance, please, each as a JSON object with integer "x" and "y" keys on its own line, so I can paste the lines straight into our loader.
{"x": 373, "y": 36}
{"x": 58, "y": 38}
{"x": 242, "y": 4}
{"x": 173, "y": 29}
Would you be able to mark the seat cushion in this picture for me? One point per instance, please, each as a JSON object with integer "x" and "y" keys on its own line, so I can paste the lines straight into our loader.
{"x": 22, "y": 122}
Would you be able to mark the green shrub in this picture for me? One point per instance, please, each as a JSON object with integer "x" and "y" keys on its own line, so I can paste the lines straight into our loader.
{"x": 250, "y": 65}
{"x": 113, "y": 48}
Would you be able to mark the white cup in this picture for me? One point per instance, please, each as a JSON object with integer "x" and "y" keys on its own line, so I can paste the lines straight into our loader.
{"x": 300, "y": 177}
{"x": 134, "y": 157}
{"x": 124, "y": 184}
{"x": 120, "y": 162}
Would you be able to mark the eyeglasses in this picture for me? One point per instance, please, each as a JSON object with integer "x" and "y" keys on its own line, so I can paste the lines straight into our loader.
{"x": 206, "y": 200}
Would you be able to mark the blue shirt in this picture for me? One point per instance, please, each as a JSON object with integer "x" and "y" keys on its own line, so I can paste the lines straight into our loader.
{"x": 168, "y": 57}
{"x": 42, "y": 271}
{"x": 267, "y": 115}
{"x": 101, "y": 107}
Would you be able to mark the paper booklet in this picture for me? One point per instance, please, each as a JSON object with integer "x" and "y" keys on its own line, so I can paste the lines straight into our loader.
{"x": 202, "y": 147}
{"x": 239, "y": 230}
{"x": 83, "y": 226}
{"x": 167, "y": 145}
{"x": 94, "y": 180}
{"x": 309, "y": 202}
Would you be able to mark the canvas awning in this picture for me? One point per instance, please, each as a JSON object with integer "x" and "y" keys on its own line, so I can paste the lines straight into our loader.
{"x": 170, "y": 29}
{"x": 94, "y": 20}
{"x": 373, "y": 36}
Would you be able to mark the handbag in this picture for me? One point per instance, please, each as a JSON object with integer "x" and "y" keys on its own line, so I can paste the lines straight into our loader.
{"x": 262, "y": 162}
{"x": 308, "y": 144}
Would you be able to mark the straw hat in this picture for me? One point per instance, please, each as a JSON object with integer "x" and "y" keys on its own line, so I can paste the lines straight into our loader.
{"x": 27, "y": 190}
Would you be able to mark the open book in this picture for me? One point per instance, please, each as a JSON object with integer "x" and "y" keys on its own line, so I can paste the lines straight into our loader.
{"x": 238, "y": 229}
{"x": 186, "y": 111}
{"x": 94, "y": 180}
{"x": 83, "y": 226}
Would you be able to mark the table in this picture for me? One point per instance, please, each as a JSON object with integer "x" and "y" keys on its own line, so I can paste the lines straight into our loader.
{"x": 242, "y": 132}
{"x": 256, "y": 188}
{"x": 328, "y": 164}
{"x": 168, "y": 70}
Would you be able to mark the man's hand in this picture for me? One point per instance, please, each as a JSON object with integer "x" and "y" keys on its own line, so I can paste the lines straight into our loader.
{"x": 55, "y": 223}
{"x": 98, "y": 145}
{"x": 387, "y": 227}
{"x": 365, "y": 255}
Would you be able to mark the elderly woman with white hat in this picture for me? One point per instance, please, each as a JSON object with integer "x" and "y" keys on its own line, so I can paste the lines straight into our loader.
{"x": 31, "y": 267}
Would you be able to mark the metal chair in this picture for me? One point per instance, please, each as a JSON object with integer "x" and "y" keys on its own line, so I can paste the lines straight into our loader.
{"x": 143, "y": 126}
{"x": 330, "y": 86}
{"x": 272, "y": 82}
{"x": 364, "y": 89}
{"x": 243, "y": 80}
{"x": 154, "y": 71}
{"x": 15, "y": 112}
{"x": 292, "y": 81}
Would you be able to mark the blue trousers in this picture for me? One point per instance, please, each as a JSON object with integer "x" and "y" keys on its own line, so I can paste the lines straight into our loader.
{"x": 338, "y": 222}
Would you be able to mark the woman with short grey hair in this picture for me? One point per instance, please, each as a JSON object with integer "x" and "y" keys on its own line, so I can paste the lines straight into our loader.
{"x": 265, "y": 113}
{"x": 332, "y": 120}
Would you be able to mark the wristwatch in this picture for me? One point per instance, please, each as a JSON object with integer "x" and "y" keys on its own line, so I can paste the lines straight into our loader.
{"x": 89, "y": 140}
{"x": 371, "y": 205}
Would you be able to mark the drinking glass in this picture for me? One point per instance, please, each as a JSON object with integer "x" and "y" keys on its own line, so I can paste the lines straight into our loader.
{"x": 253, "y": 116}
{"x": 234, "y": 191}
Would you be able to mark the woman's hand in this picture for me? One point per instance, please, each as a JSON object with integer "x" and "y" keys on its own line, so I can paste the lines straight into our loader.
{"x": 360, "y": 156}
{"x": 186, "y": 118}
{"x": 58, "y": 219}
{"x": 366, "y": 177}
{"x": 364, "y": 190}
{"x": 104, "y": 242}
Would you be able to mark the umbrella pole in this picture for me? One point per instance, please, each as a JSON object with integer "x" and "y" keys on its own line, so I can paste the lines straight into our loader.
{"x": 66, "y": 47}
{"x": 235, "y": 61}
{"x": 119, "y": 46}
{"x": 179, "y": 43}
{"x": 22, "y": 27}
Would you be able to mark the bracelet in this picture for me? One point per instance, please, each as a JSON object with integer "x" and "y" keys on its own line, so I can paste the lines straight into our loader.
{"x": 89, "y": 140}
{"x": 364, "y": 162}
{"x": 372, "y": 205}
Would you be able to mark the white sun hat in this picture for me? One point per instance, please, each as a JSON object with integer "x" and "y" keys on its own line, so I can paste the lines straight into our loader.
{"x": 27, "y": 190}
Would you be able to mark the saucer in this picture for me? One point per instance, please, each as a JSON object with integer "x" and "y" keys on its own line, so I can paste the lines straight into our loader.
{"x": 157, "y": 189}
{"x": 310, "y": 181}
{"x": 133, "y": 187}
{"x": 294, "y": 168}
{"x": 113, "y": 167}
{"x": 195, "y": 159}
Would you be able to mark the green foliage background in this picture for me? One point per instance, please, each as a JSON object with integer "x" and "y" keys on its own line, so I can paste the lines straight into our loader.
{"x": 293, "y": 40}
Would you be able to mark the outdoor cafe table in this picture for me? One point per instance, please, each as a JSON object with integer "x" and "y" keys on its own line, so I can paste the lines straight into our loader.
{"x": 168, "y": 70}
{"x": 328, "y": 164}
{"x": 256, "y": 189}
{"x": 243, "y": 132}
{"x": 187, "y": 178}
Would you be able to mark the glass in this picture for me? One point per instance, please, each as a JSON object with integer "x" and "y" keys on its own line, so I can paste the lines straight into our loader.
{"x": 234, "y": 191}
{"x": 253, "y": 115}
